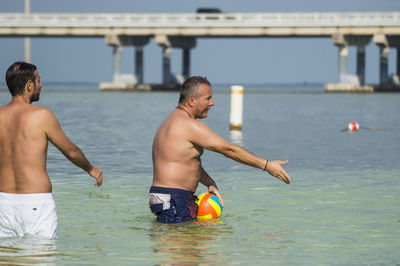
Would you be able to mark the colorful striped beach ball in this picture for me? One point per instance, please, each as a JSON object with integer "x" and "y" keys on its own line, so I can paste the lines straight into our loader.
{"x": 209, "y": 206}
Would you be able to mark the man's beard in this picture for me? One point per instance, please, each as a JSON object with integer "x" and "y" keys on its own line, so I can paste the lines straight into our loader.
{"x": 203, "y": 114}
{"x": 35, "y": 97}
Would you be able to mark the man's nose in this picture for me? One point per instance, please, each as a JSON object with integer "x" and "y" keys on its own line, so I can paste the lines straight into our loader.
{"x": 211, "y": 102}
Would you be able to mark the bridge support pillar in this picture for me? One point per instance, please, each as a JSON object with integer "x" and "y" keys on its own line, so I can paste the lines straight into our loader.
{"x": 341, "y": 43}
{"x": 361, "y": 64}
{"x": 166, "y": 65}
{"x": 349, "y": 82}
{"x": 27, "y": 43}
{"x": 186, "y": 43}
{"x": 394, "y": 41}
{"x": 165, "y": 43}
{"x": 139, "y": 43}
{"x": 27, "y": 49}
{"x": 360, "y": 42}
{"x": 139, "y": 64}
{"x": 186, "y": 63}
{"x": 114, "y": 41}
{"x": 169, "y": 42}
{"x": 343, "y": 53}
{"x": 382, "y": 42}
{"x": 383, "y": 65}
{"x": 398, "y": 62}
{"x": 117, "y": 63}
{"x": 117, "y": 42}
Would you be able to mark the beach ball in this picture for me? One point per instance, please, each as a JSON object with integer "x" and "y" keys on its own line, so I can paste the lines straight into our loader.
{"x": 209, "y": 206}
{"x": 353, "y": 126}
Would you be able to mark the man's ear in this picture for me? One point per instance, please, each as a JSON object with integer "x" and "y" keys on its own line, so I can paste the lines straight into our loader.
{"x": 29, "y": 86}
{"x": 191, "y": 101}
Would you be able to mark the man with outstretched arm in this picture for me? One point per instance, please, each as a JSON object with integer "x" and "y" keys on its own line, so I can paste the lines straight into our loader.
{"x": 177, "y": 147}
{"x": 26, "y": 203}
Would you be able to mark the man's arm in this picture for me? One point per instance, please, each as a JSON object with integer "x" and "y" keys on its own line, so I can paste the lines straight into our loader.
{"x": 206, "y": 138}
{"x": 206, "y": 180}
{"x": 58, "y": 138}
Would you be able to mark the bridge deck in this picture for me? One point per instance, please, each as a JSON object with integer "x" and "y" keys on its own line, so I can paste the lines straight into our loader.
{"x": 200, "y": 25}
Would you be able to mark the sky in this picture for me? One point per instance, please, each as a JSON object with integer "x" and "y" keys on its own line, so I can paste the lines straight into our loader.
{"x": 221, "y": 60}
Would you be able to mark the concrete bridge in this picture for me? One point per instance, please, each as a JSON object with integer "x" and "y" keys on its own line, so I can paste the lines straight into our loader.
{"x": 180, "y": 30}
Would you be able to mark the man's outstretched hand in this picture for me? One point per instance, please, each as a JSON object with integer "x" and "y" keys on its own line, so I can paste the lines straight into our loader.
{"x": 274, "y": 168}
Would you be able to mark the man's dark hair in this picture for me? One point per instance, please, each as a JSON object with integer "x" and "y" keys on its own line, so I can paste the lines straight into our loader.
{"x": 191, "y": 86}
{"x": 18, "y": 74}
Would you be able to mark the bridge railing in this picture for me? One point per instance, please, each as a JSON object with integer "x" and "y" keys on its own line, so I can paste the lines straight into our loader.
{"x": 372, "y": 19}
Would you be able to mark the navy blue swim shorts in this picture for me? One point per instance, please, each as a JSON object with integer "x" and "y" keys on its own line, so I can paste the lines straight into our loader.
{"x": 173, "y": 205}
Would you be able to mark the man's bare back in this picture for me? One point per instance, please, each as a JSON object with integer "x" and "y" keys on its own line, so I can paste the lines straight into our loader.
{"x": 26, "y": 202}
{"x": 23, "y": 146}
{"x": 24, "y": 135}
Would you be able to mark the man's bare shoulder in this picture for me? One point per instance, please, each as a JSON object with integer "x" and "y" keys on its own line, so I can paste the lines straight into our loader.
{"x": 38, "y": 113}
{"x": 182, "y": 123}
{"x": 28, "y": 110}
{"x": 5, "y": 107}
{"x": 41, "y": 110}
{"x": 39, "y": 117}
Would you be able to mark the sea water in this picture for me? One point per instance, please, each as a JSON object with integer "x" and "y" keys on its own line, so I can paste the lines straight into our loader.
{"x": 341, "y": 208}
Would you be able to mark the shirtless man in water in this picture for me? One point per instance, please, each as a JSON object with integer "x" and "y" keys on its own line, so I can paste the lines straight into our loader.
{"x": 177, "y": 147}
{"x": 26, "y": 202}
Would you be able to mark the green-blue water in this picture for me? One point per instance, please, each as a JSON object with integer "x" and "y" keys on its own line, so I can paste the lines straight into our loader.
{"x": 342, "y": 207}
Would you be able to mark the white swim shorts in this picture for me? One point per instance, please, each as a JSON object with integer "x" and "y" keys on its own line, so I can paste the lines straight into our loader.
{"x": 32, "y": 214}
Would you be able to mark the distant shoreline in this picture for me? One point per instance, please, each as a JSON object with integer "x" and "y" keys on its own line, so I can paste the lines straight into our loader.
{"x": 80, "y": 83}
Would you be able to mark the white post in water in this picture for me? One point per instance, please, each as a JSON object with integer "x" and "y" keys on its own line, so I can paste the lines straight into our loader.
{"x": 236, "y": 115}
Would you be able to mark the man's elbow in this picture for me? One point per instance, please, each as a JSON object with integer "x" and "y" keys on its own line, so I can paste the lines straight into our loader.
{"x": 73, "y": 153}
